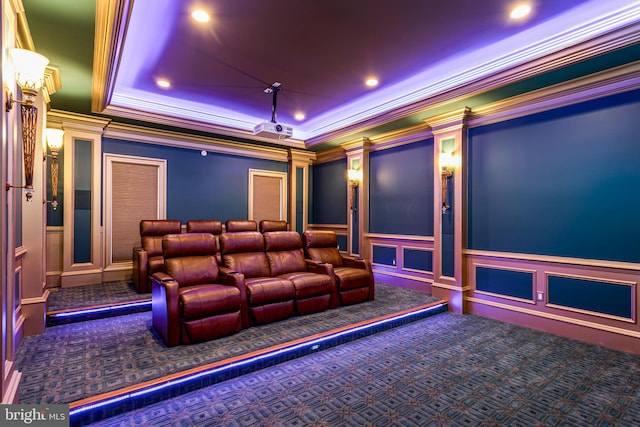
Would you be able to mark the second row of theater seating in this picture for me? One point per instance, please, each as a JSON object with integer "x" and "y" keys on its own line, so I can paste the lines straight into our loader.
{"x": 147, "y": 258}
{"x": 264, "y": 277}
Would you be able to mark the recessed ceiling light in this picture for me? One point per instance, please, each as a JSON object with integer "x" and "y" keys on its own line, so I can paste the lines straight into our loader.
{"x": 299, "y": 116}
{"x": 520, "y": 11}
{"x": 163, "y": 83}
{"x": 371, "y": 82}
{"x": 200, "y": 15}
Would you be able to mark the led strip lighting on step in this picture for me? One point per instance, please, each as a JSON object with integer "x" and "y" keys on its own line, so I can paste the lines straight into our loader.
{"x": 156, "y": 390}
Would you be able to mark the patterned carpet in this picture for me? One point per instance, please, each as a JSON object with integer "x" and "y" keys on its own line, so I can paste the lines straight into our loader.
{"x": 83, "y": 296}
{"x": 446, "y": 370}
{"x": 74, "y": 361}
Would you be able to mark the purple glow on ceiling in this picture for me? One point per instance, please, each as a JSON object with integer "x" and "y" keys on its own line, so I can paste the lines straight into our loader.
{"x": 322, "y": 52}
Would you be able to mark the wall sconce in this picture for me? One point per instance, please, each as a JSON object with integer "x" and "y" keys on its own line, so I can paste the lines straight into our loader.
{"x": 355, "y": 177}
{"x": 29, "y": 74}
{"x": 448, "y": 162}
{"x": 54, "y": 141}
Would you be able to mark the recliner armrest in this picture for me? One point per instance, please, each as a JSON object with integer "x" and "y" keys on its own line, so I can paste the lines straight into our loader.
{"x": 233, "y": 278}
{"x": 165, "y": 307}
{"x": 320, "y": 267}
{"x": 353, "y": 262}
{"x": 139, "y": 274}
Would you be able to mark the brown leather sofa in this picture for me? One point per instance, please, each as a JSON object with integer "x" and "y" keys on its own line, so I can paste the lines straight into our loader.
{"x": 266, "y": 225}
{"x": 196, "y": 300}
{"x": 314, "y": 283}
{"x": 277, "y": 282}
{"x": 147, "y": 258}
{"x": 239, "y": 225}
{"x": 354, "y": 277}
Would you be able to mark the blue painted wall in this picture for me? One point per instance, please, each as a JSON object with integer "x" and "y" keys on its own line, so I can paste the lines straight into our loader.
{"x": 329, "y": 193}
{"x": 563, "y": 183}
{"x": 401, "y": 190}
{"x": 211, "y": 187}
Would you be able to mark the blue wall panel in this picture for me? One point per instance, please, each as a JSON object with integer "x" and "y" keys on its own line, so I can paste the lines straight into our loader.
{"x": 401, "y": 190}
{"x": 560, "y": 183}
{"x": 517, "y": 284}
{"x": 82, "y": 180}
{"x": 384, "y": 255}
{"x": 330, "y": 193}
{"x": 211, "y": 187}
{"x": 342, "y": 242}
{"x": 601, "y": 297}
{"x": 417, "y": 259}
{"x": 299, "y": 200}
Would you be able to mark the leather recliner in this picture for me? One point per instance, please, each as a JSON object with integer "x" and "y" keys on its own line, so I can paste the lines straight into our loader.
{"x": 354, "y": 277}
{"x": 269, "y": 298}
{"x": 211, "y": 226}
{"x": 147, "y": 258}
{"x": 314, "y": 283}
{"x": 240, "y": 225}
{"x": 266, "y": 225}
{"x": 196, "y": 300}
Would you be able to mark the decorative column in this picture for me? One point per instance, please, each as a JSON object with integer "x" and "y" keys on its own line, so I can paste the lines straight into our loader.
{"x": 82, "y": 257}
{"x": 299, "y": 162}
{"x": 358, "y": 196}
{"x": 450, "y": 144}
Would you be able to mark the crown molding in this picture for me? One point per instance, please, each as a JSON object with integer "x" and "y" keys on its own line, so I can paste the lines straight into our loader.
{"x": 610, "y": 82}
{"x": 176, "y": 139}
{"x": 302, "y": 156}
{"x": 80, "y": 122}
{"x": 141, "y": 115}
{"x": 614, "y": 40}
{"x": 112, "y": 18}
{"x": 330, "y": 155}
{"x": 449, "y": 121}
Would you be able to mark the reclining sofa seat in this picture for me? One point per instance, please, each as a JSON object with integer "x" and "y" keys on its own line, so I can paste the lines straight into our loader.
{"x": 195, "y": 300}
{"x": 354, "y": 277}
{"x": 240, "y": 225}
{"x": 272, "y": 225}
{"x": 147, "y": 259}
{"x": 211, "y": 226}
{"x": 269, "y": 298}
{"x": 314, "y": 283}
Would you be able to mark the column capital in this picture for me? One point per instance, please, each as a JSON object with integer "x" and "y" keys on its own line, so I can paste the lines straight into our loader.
{"x": 453, "y": 120}
{"x": 356, "y": 146}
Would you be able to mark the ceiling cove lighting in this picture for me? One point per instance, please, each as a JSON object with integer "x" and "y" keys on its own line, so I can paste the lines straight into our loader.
{"x": 590, "y": 19}
{"x": 249, "y": 364}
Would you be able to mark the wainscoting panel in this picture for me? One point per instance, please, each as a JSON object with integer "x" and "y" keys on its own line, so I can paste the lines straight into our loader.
{"x": 583, "y": 294}
{"x": 505, "y": 282}
{"x": 584, "y": 299}
{"x": 402, "y": 260}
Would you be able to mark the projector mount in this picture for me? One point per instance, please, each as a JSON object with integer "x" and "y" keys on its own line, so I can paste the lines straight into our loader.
{"x": 273, "y": 89}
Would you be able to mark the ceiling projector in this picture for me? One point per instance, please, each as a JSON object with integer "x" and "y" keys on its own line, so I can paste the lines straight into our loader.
{"x": 272, "y": 130}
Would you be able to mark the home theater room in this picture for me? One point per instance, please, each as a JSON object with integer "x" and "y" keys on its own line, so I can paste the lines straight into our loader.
{"x": 320, "y": 213}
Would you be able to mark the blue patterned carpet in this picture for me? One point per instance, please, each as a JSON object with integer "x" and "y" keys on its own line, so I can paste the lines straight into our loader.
{"x": 83, "y": 296}
{"x": 74, "y": 361}
{"x": 447, "y": 370}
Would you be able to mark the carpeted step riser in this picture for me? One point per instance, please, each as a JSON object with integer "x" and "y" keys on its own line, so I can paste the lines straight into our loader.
{"x": 176, "y": 387}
